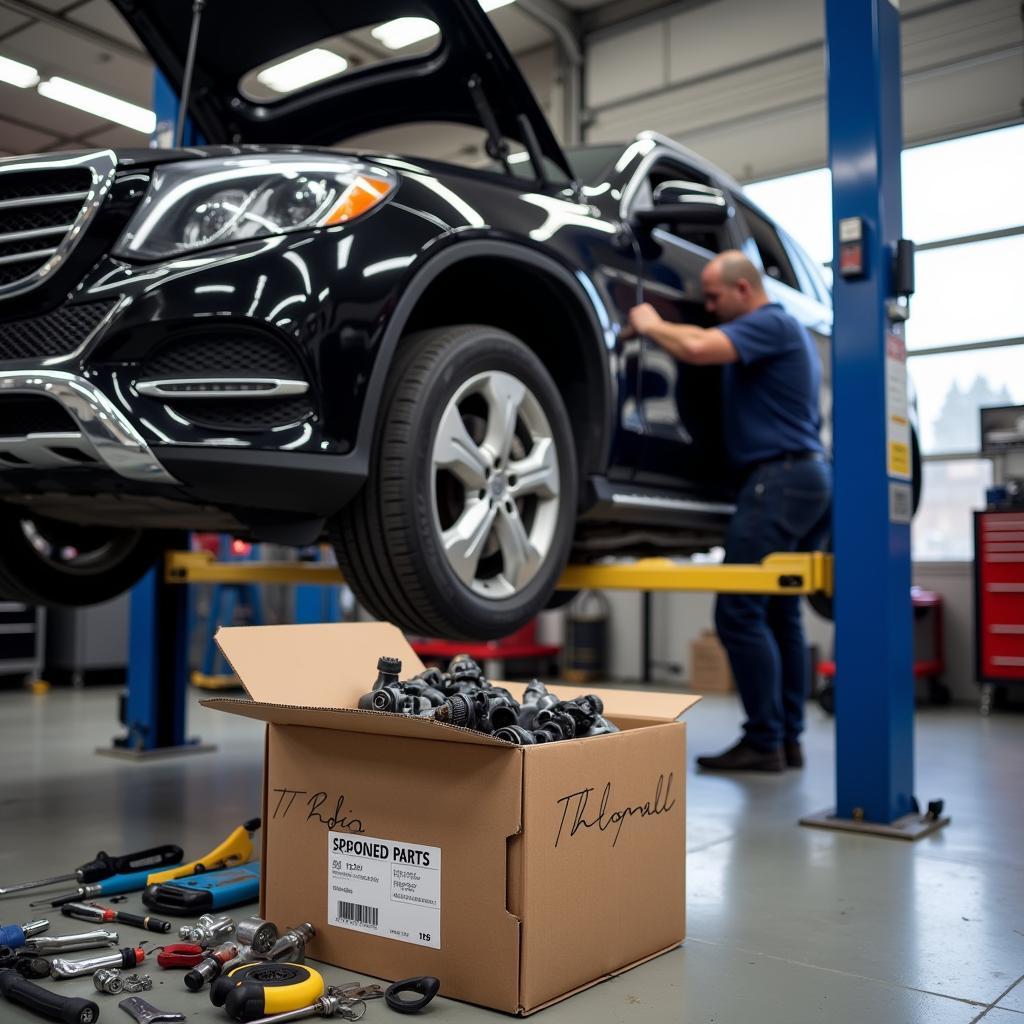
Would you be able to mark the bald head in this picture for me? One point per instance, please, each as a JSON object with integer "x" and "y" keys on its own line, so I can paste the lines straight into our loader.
{"x": 732, "y": 286}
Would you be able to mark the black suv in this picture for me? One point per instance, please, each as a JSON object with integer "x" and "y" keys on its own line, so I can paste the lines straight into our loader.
{"x": 424, "y": 362}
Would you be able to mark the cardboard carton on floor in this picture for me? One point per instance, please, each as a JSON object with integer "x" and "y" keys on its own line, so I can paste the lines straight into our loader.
{"x": 516, "y": 875}
{"x": 709, "y": 665}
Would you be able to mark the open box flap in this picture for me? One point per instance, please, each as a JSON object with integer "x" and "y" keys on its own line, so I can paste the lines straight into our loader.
{"x": 326, "y": 665}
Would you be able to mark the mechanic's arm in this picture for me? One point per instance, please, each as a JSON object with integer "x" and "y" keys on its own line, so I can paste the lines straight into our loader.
{"x": 698, "y": 345}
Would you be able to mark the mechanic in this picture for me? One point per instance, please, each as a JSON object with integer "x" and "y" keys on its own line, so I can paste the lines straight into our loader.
{"x": 770, "y": 383}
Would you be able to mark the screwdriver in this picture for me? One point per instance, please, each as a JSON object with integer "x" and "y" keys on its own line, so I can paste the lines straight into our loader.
{"x": 104, "y": 866}
{"x": 91, "y": 912}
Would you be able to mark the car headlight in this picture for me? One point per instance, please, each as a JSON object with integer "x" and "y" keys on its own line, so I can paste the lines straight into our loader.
{"x": 201, "y": 203}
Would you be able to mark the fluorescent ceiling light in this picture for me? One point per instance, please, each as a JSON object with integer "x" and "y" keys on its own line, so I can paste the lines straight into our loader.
{"x": 13, "y": 72}
{"x": 301, "y": 70}
{"x": 99, "y": 103}
{"x": 404, "y": 32}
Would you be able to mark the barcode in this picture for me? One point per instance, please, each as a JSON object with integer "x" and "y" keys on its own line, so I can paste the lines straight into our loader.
{"x": 358, "y": 914}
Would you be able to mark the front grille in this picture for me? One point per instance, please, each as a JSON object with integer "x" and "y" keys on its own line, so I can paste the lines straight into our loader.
{"x": 37, "y": 210}
{"x": 227, "y": 354}
{"x": 245, "y": 414}
{"x": 52, "y": 334}
{"x": 32, "y": 414}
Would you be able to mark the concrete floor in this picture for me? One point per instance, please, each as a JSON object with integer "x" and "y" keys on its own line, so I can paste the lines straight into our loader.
{"x": 788, "y": 925}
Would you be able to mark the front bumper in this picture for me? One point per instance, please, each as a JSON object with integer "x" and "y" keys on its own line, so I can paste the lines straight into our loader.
{"x": 103, "y": 435}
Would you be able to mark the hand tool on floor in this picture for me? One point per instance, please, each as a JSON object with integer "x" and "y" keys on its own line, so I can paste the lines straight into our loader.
{"x": 292, "y": 945}
{"x": 211, "y": 965}
{"x": 47, "y": 945}
{"x": 104, "y": 866}
{"x": 26, "y": 963}
{"x": 147, "y": 1013}
{"x": 47, "y": 1004}
{"x": 14, "y": 935}
{"x": 61, "y": 969}
{"x": 236, "y": 849}
{"x": 114, "y": 886}
{"x": 108, "y": 980}
{"x": 208, "y": 930}
{"x": 211, "y": 890}
{"x": 259, "y": 935}
{"x": 331, "y": 1004}
{"x": 263, "y": 989}
{"x": 92, "y": 912}
{"x": 180, "y": 954}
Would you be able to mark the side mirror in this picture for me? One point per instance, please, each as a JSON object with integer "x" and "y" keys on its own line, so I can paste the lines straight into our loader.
{"x": 685, "y": 203}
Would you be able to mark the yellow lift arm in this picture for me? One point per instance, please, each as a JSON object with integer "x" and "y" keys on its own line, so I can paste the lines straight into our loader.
{"x": 784, "y": 573}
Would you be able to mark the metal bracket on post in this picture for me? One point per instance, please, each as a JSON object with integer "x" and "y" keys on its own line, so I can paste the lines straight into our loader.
{"x": 871, "y": 519}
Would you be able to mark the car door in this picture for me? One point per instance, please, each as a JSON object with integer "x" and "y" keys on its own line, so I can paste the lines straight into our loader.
{"x": 679, "y": 405}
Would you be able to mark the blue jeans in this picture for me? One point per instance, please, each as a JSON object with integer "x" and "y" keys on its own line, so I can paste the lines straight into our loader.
{"x": 782, "y": 506}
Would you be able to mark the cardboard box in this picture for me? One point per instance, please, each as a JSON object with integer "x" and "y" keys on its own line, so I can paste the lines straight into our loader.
{"x": 519, "y": 875}
{"x": 709, "y": 665}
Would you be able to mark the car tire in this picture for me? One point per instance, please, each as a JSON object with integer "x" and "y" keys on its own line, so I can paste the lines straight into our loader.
{"x": 446, "y": 538}
{"x": 58, "y": 564}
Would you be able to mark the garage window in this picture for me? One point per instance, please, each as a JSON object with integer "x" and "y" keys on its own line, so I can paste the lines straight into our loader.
{"x": 966, "y": 332}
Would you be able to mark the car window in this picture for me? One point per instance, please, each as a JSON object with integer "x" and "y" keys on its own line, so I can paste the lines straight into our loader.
{"x": 774, "y": 257}
{"x": 713, "y": 239}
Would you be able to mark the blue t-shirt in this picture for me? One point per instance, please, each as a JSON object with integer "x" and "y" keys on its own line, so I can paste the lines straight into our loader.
{"x": 770, "y": 397}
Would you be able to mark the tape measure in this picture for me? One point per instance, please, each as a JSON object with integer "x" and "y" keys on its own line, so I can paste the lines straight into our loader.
{"x": 265, "y": 989}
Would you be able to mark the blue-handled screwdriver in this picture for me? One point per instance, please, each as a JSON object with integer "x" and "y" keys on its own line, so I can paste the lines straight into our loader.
{"x": 14, "y": 935}
{"x": 114, "y": 886}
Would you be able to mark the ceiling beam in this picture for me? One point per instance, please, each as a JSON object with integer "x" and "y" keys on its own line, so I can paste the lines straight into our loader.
{"x": 100, "y": 39}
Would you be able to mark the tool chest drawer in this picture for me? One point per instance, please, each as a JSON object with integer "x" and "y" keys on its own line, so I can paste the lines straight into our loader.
{"x": 999, "y": 596}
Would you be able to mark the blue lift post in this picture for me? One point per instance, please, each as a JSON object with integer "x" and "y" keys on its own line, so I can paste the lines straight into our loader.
{"x": 873, "y": 498}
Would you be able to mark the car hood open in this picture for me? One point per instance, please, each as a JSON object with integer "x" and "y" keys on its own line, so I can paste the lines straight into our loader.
{"x": 238, "y": 36}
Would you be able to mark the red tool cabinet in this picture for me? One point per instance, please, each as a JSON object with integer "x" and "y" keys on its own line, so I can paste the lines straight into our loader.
{"x": 999, "y": 597}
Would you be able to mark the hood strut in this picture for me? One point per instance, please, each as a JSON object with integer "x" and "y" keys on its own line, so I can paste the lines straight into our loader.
{"x": 496, "y": 146}
{"x": 190, "y": 63}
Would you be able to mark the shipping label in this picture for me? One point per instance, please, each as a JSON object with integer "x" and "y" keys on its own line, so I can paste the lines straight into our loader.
{"x": 384, "y": 887}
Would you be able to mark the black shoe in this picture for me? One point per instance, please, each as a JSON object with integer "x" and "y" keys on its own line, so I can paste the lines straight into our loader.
{"x": 794, "y": 754}
{"x": 744, "y": 757}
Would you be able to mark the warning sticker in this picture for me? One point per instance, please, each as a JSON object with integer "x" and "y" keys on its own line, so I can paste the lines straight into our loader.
{"x": 897, "y": 408}
{"x": 384, "y": 887}
{"x": 901, "y": 503}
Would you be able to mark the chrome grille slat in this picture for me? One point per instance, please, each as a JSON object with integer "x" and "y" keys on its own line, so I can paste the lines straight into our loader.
{"x": 25, "y": 257}
{"x": 21, "y": 236}
{"x": 45, "y": 205}
{"x": 62, "y": 197}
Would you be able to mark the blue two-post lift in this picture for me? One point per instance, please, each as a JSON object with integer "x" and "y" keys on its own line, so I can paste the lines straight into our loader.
{"x": 871, "y": 447}
{"x": 873, "y": 498}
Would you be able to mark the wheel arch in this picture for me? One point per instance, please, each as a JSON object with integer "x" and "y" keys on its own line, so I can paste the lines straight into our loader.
{"x": 540, "y": 301}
